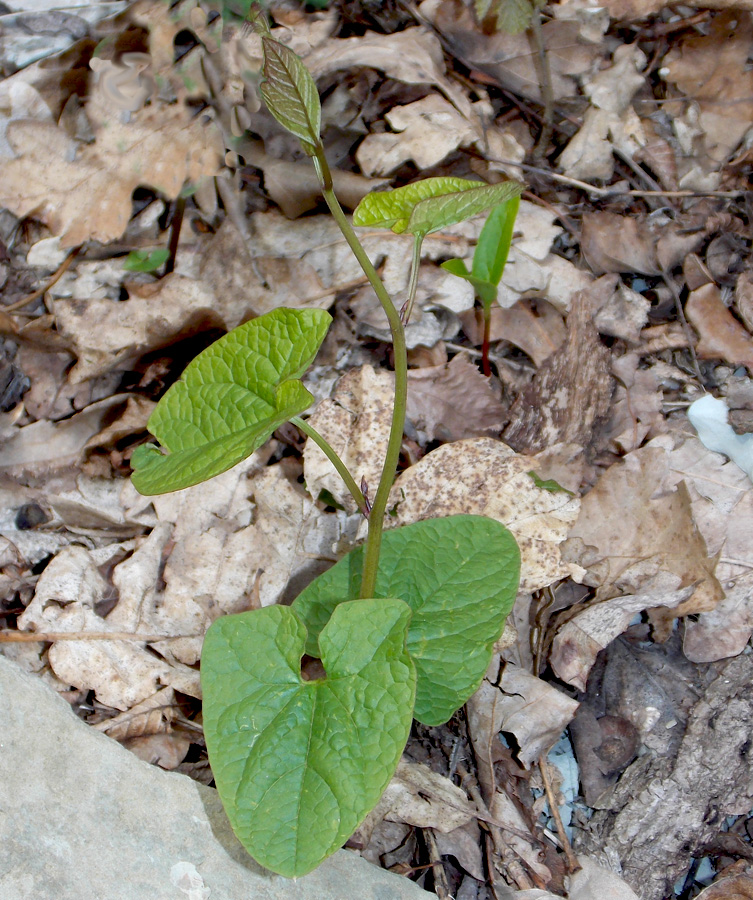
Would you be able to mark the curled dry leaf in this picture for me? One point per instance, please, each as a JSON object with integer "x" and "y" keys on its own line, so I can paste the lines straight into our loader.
{"x": 485, "y": 477}
{"x": 356, "y": 423}
{"x": 453, "y": 401}
{"x": 579, "y": 641}
{"x": 631, "y": 527}
{"x": 152, "y": 716}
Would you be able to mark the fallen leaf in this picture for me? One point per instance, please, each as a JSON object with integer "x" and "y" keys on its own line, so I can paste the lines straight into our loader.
{"x": 579, "y": 641}
{"x": 710, "y": 68}
{"x": 152, "y": 716}
{"x": 622, "y": 313}
{"x": 637, "y": 405}
{"x": 611, "y": 122}
{"x": 722, "y": 336}
{"x": 482, "y": 476}
{"x": 356, "y": 424}
{"x": 571, "y": 390}
{"x": 425, "y": 131}
{"x": 631, "y": 527}
{"x": 164, "y": 750}
{"x": 614, "y": 243}
{"x": 453, "y": 401}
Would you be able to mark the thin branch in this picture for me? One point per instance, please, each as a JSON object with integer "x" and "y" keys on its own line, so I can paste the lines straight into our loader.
{"x": 65, "y": 265}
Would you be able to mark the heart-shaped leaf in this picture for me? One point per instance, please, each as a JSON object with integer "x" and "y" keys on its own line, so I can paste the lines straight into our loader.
{"x": 230, "y": 399}
{"x": 290, "y": 93}
{"x": 439, "y": 212}
{"x": 392, "y": 209}
{"x": 459, "y": 575}
{"x": 298, "y": 764}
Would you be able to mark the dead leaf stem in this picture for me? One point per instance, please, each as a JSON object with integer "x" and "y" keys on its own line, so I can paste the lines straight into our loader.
{"x": 572, "y": 863}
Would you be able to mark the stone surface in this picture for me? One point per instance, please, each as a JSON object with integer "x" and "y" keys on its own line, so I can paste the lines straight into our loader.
{"x": 81, "y": 818}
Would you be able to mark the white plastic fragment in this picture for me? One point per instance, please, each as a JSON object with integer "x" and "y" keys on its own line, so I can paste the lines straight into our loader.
{"x": 709, "y": 417}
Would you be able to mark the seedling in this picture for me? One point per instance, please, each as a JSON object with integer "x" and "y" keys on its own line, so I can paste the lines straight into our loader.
{"x": 146, "y": 260}
{"x": 489, "y": 261}
{"x": 404, "y": 626}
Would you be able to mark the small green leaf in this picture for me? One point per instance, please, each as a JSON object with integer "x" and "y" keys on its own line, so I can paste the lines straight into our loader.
{"x": 512, "y": 16}
{"x": 145, "y": 260}
{"x": 290, "y": 93}
{"x": 457, "y": 267}
{"x": 230, "y": 399}
{"x": 459, "y": 575}
{"x": 298, "y": 764}
{"x": 549, "y": 485}
{"x": 435, "y": 213}
{"x": 494, "y": 242}
{"x": 392, "y": 209}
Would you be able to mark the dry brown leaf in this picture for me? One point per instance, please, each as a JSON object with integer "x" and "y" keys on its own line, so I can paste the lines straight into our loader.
{"x": 109, "y": 335}
{"x": 722, "y": 336}
{"x": 579, "y": 641}
{"x": 613, "y": 243}
{"x": 611, "y": 122}
{"x": 636, "y": 408}
{"x": 485, "y": 477}
{"x": 622, "y": 313}
{"x": 511, "y": 60}
{"x": 631, "y": 528}
{"x": 164, "y": 750}
{"x": 710, "y": 68}
{"x": 152, "y": 716}
{"x": 85, "y": 193}
{"x": 453, "y": 401}
{"x": 643, "y": 9}
{"x": 744, "y": 299}
{"x": 535, "y": 712}
{"x": 356, "y": 424}
{"x": 536, "y": 327}
{"x": 426, "y": 132}
{"x": 571, "y": 390}
{"x": 737, "y": 886}
{"x": 420, "y": 797}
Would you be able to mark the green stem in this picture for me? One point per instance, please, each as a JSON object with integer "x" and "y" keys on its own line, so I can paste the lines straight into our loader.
{"x": 342, "y": 469}
{"x": 392, "y": 456}
{"x": 485, "y": 344}
{"x": 415, "y": 263}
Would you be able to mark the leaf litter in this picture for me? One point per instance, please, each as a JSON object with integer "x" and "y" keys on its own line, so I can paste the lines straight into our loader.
{"x": 626, "y": 298}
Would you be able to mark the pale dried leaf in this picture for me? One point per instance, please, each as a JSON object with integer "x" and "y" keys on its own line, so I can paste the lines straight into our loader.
{"x": 356, "y": 424}
{"x": 152, "y": 716}
{"x": 164, "y": 750}
{"x": 420, "y": 797}
{"x": 485, "y": 477}
{"x": 614, "y": 243}
{"x": 535, "y": 327}
{"x": 453, "y": 401}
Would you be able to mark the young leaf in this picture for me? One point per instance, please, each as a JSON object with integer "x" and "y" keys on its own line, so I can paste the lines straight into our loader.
{"x": 438, "y": 212}
{"x": 145, "y": 260}
{"x": 494, "y": 242}
{"x": 298, "y": 764}
{"x": 230, "y": 399}
{"x": 392, "y": 209}
{"x": 459, "y": 575}
{"x": 290, "y": 93}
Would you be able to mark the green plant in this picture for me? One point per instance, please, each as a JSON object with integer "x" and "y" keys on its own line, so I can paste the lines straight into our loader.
{"x": 404, "y": 626}
{"x": 146, "y": 260}
{"x": 489, "y": 261}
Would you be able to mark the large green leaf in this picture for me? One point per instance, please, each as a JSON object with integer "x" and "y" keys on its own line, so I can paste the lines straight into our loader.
{"x": 290, "y": 93}
{"x": 439, "y": 212}
{"x": 392, "y": 209}
{"x": 230, "y": 399}
{"x": 459, "y": 575}
{"x": 298, "y": 764}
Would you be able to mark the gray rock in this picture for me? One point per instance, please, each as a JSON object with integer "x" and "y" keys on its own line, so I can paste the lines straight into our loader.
{"x": 81, "y": 818}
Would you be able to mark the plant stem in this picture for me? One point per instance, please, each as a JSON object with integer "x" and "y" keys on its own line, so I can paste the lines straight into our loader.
{"x": 547, "y": 92}
{"x": 485, "y": 343}
{"x": 413, "y": 283}
{"x": 392, "y": 456}
{"x": 330, "y": 453}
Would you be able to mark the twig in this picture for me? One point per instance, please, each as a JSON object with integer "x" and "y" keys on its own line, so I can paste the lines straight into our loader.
{"x": 441, "y": 887}
{"x": 64, "y": 266}
{"x": 613, "y": 192}
{"x": 684, "y": 322}
{"x": 547, "y": 93}
{"x": 572, "y": 863}
{"x": 31, "y": 637}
